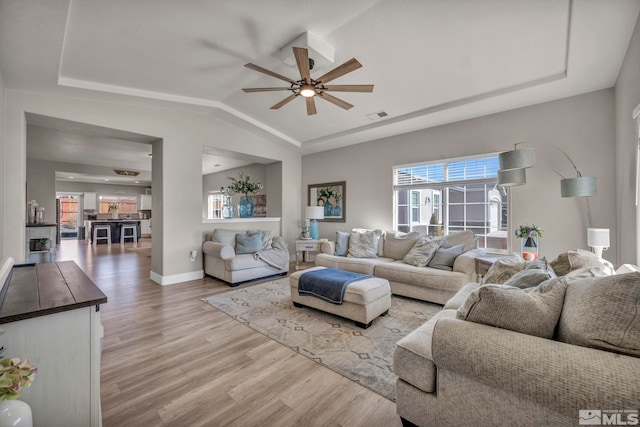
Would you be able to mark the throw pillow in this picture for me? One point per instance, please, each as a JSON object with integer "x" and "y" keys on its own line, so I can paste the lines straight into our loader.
{"x": 364, "y": 244}
{"x": 533, "y": 311}
{"x": 380, "y": 239}
{"x": 602, "y": 313}
{"x": 267, "y": 238}
{"x": 572, "y": 260}
{"x": 248, "y": 243}
{"x": 422, "y": 251}
{"x": 342, "y": 243}
{"x": 503, "y": 269}
{"x": 397, "y": 245}
{"x": 529, "y": 277}
{"x": 466, "y": 238}
{"x": 444, "y": 258}
{"x": 226, "y": 237}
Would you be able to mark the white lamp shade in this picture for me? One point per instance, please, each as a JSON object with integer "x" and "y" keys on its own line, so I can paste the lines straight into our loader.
{"x": 598, "y": 237}
{"x": 315, "y": 212}
{"x": 517, "y": 159}
{"x": 510, "y": 178}
{"x": 582, "y": 186}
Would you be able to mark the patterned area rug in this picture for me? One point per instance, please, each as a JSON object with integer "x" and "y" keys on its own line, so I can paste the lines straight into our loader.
{"x": 363, "y": 355}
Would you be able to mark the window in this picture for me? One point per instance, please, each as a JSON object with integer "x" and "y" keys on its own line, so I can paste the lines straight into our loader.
{"x": 214, "y": 206}
{"x": 125, "y": 204}
{"x": 452, "y": 195}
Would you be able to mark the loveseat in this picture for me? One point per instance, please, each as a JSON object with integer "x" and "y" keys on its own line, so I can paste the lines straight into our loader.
{"x": 451, "y": 266}
{"x": 564, "y": 351}
{"x": 239, "y": 255}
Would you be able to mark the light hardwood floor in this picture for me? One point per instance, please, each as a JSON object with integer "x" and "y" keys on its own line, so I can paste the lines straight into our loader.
{"x": 170, "y": 359}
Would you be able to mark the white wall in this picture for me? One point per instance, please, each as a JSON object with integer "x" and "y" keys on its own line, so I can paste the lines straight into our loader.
{"x": 3, "y": 159}
{"x": 213, "y": 182}
{"x": 177, "y": 169}
{"x": 627, "y": 97}
{"x": 583, "y": 126}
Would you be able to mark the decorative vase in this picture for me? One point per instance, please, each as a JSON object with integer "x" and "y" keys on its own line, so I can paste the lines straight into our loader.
{"x": 227, "y": 208}
{"x": 328, "y": 209}
{"x": 530, "y": 248}
{"x": 114, "y": 214}
{"x": 337, "y": 210}
{"x": 15, "y": 413}
{"x": 245, "y": 207}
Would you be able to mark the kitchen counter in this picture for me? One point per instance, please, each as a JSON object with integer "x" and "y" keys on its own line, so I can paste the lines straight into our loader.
{"x": 115, "y": 225}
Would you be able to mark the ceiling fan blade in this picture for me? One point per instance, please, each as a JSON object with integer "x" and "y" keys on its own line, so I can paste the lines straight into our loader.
{"x": 269, "y": 72}
{"x": 285, "y": 101}
{"x": 336, "y": 101}
{"x": 349, "y": 88}
{"x": 311, "y": 106}
{"x": 302, "y": 59}
{"x": 340, "y": 70}
{"x": 264, "y": 89}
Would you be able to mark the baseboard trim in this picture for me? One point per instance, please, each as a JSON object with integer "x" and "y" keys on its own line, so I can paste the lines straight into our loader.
{"x": 176, "y": 278}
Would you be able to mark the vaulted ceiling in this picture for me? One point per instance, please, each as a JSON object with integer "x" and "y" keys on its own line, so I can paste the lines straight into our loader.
{"x": 431, "y": 61}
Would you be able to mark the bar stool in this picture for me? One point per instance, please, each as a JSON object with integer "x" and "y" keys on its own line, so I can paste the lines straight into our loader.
{"x": 96, "y": 237}
{"x": 133, "y": 235}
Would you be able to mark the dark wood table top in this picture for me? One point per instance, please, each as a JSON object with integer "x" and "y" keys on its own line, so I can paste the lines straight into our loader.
{"x": 47, "y": 288}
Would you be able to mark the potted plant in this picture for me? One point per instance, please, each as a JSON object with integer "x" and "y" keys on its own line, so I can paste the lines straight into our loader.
{"x": 243, "y": 185}
{"x": 112, "y": 208}
{"x": 14, "y": 375}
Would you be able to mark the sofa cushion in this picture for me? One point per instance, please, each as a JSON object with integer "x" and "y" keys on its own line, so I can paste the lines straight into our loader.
{"x": 603, "y": 313}
{"x": 466, "y": 238}
{"x": 380, "y": 239}
{"x": 422, "y": 251}
{"x": 397, "y": 244}
{"x": 529, "y": 277}
{"x": 342, "y": 243}
{"x": 413, "y": 358}
{"x": 445, "y": 257}
{"x": 572, "y": 260}
{"x": 425, "y": 277}
{"x": 456, "y": 301}
{"x": 248, "y": 243}
{"x": 533, "y": 311}
{"x": 242, "y": 262}
{"x": 503, "y": 269}
{"x": 356, "y": 265}
{"x": 267, "y": 238}
{"x": 227, "y": 237}
{"x": 364, "y": 244}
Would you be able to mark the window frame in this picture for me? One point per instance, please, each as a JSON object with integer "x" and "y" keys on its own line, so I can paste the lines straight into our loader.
{"x": 212, "y": 198}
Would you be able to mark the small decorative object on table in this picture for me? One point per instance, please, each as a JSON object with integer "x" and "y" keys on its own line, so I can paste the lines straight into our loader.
{"x": 14, "y": 375}
{"x": 529, "y": 237}
{"x": 243, "y": 185}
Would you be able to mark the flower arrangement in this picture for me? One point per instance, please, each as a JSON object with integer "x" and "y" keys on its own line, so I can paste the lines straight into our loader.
{"x": 524, "y": 230}
{"x": 14, "y": 375}
{"x": 112, "y": 207}
{"x": 325, "y": 194}
{"x": 243, "y": 185}
{"x": 226, "y": 191}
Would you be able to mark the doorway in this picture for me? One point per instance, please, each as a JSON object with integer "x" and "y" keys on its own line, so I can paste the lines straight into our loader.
{"x": 67, "y": 208}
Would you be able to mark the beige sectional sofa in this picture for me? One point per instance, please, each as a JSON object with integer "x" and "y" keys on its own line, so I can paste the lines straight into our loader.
{"x": 424, "y": 283}
{"x": 223, "y": 260}
{"x": 583, "y": 357}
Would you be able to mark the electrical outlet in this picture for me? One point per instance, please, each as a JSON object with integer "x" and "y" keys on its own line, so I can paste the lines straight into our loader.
{"x": 193, "y": 256}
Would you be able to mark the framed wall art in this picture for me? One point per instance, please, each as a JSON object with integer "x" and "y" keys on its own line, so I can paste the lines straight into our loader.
{"x": 332, "y": 196}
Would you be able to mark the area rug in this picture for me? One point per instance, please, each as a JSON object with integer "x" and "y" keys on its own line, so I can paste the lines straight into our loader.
{"x": 363, "y": 355}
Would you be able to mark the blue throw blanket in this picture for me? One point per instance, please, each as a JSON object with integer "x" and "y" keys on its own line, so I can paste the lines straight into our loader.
{"x": 328, "y": 284}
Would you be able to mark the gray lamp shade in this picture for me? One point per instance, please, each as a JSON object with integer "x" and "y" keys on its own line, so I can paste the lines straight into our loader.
{"x": 582, "y": 186}
{"x": 517, "y": 159}
{"x": 511, "y": 178}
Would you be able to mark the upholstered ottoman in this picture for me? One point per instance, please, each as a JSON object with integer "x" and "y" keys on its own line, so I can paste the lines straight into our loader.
{"x": 364, "y": 300}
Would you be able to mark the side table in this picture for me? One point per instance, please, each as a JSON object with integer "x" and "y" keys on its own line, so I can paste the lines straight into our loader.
{"x": 307, "y": 246}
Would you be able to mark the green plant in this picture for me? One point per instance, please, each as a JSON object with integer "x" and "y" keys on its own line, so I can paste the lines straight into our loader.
{"x": 524, "y": 231}
{"x": 112, "y": 207}
{"x": 14, "y": 375}
{"x": 243, "y": 185}
{"x": 325, "y": 194}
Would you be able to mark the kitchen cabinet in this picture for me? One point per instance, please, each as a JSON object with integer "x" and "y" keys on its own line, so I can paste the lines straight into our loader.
{"x": 90, "y": 201}
{"x": 145, "y": 227}
{"x": 145, "y": 202}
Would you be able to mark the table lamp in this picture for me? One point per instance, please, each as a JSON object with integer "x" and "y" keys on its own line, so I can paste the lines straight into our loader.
{"x": 314, "y": 213}
{"x": 598, "y": 239}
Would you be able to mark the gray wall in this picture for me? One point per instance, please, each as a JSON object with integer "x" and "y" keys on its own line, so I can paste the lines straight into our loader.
{"x": 583, "y": 126}
{"x": 627, "y": 97}
{"x": 3, "y": 201}
{"x": 213, "y": 182}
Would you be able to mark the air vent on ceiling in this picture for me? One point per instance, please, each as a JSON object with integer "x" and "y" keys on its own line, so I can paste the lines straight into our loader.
{"x": 377, "y": 116}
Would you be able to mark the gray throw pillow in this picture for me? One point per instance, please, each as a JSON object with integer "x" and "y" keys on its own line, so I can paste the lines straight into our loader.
{"x": 342, "y": 243}
{"x": 533, "y": 311}
{"x": 397, "y": 245}
{"x": 602, "y": 312}
{"x": 444, "y": 258}
{"x": 503, "y": 269}
{"x": 422, "y": 251}
{"x": 248, "y": 243}
{"x": 529, "y": 277}
{"x": 267, "y": 238}
{"x": 364, "y": 244}
{"x": 226, "y": 237}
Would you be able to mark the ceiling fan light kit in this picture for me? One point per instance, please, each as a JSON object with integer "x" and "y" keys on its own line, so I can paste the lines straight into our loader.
{"x": 308, "y": 87}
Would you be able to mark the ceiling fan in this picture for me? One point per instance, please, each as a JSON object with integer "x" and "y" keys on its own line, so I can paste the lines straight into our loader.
{"x": 310, "y": 88}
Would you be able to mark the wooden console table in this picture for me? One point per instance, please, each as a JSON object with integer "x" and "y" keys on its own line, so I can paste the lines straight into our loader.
{"x": 49, "y": 313}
